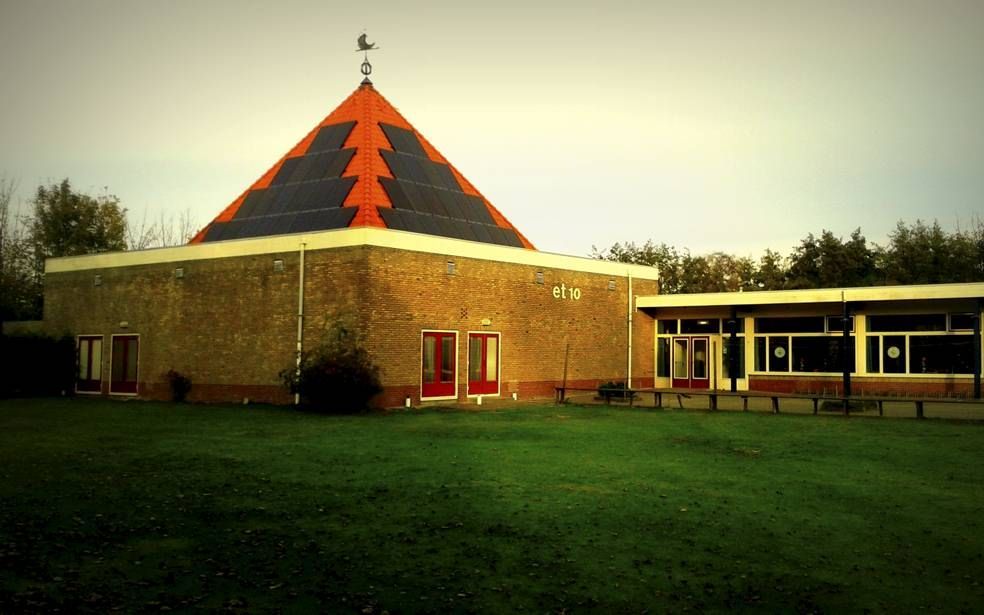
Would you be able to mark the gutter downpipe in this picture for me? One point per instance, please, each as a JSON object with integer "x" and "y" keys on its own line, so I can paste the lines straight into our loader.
{"x": 628, "y": 379}
{"x": 300, "y": 317}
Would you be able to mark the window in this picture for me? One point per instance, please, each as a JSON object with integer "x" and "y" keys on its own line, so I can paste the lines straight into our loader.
{"x": 663, "y": 357}
{"x": 739, "y": 351}
{"x": 907, "y": 322}
{"x": 700, "y": 325}
{"x": 451, "y": 268}
{"x": 793, "y": 324}
{"x": 611, "y": 284}
{"x": 920, "y": 344}
{"x": 179, "y": 273}
{"x": 835, "y": 324}
{"x": 666, "y": 327}
{"x": 278, "y": 265}
{"x": 124, "y": 364}
{"x": 941, "y": 354}
{"x": 961, "y": 322}
{"x": 97, "y": 280}
{"x": 820, "y": 354}
{"x": 89, "y": 360}
{"x": 439, "y": 361}
{"x": 483, "y": 363}
{"x": 539, "y": 277}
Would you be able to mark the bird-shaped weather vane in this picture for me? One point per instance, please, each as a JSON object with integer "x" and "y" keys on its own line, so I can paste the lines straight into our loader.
{"x": 365, "y": 47}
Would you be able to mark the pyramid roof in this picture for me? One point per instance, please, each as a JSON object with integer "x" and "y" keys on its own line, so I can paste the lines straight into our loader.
{"x": 363, "y": 165}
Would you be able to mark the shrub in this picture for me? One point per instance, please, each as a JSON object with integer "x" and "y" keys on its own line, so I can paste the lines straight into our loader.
{"x": 180, "y": 385}
{"x": 37, "y": 365}
{"x": 335, "y": 378}
{"x": 614, "y": 390}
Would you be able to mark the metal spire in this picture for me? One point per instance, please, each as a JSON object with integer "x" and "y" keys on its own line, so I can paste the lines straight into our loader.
{"x": 365, "y": 47}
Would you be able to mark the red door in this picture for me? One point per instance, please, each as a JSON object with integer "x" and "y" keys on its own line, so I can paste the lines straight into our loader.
{"x": 89, "y": 377}
{"x": 123, "y": 374}
{"x": 438, "y": 361}
{"x": 690, "y": 362}
{"x": 483, "y": 363}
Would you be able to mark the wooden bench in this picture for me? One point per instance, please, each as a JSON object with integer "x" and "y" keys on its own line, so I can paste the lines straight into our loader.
{"x": 774, "y": 397}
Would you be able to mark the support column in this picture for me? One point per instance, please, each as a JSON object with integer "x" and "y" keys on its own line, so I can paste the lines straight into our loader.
{"x": 733, "y": 349}
{"x": 846, "y": 340}
{"x": 977, "y": 349}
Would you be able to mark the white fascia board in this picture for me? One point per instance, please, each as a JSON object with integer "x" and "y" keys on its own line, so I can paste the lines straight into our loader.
{"x": 822, "y": 295}
{"x": 348, "y": 237}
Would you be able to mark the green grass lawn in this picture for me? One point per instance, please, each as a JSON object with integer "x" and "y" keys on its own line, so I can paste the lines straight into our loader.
{"x": 144, "y": 506}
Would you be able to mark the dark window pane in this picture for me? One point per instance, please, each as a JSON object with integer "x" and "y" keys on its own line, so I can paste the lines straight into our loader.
{"x": 873, "y": 354}
{"x": 779, "y": 354}
{"x": 663, "y": 357}
{"x": 793, "y": 324}
{"x": 739, "y": 352}
{"x": 667, "y": 326}
{"x": 961, "y": 322}
{"x": 907, "y": 322}
{"x": 941, "y": 354}
{"x": 760, "y": 354}
{"x": 836, "y": 324}
{"x": 820, "y": 354}
{"x": 893, "y": 354}
{"x": 700, "y": 325}
{"x": 739, "y": 324}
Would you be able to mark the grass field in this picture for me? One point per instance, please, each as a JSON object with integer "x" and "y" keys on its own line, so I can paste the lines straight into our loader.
{"x": 145, "y": 506}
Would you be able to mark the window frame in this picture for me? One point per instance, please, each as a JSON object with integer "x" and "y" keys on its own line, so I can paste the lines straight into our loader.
{"x": 136, "y": 381}
{"x": 420, "y": 365}
{"x": 498, "y": 364}
{"x": 78, "y": 350}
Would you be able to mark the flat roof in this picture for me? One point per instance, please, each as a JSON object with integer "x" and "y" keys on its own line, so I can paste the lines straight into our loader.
{"x": 347, "y": 237}
{"x": 972, "y": 290}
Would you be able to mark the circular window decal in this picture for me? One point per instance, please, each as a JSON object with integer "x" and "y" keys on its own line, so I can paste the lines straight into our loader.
{"x": 780, "y": 352}
{"x": 893, "y": 352}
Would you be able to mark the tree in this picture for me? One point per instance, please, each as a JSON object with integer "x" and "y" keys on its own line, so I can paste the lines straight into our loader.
{"x": 68, "y": 223}
{"x": 18, "y": 294}
{"x": 772, "y": 271}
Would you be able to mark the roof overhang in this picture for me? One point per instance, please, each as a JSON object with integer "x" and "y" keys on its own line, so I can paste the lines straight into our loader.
{"x": 815, "y": 296}
{"x": 349, "y": 237}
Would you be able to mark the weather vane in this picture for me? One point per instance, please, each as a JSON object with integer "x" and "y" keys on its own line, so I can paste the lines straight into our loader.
{"x": 365, "y": 47}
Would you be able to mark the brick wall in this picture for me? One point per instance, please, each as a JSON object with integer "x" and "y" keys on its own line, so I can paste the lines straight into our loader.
{"x": 230, "y": 323}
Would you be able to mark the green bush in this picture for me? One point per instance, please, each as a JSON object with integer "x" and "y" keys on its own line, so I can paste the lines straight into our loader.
{"x": 180, "y": 385}
{"x": 335, "y": 378}
{"x": 614, "y": 390}
{"x": 37, "y": 365}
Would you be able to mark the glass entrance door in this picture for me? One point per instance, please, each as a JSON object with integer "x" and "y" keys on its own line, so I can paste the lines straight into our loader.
{"x": 691, "y": 362}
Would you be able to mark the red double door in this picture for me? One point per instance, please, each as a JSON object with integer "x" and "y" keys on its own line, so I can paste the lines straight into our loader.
{"x": 690, "y": 362}
{"x": 439, "y": 360}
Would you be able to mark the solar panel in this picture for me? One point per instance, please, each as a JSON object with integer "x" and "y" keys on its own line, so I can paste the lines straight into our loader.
{"x": 448, "y": 179}
{"x": 482, "y": 233}
{"x": 463, "y": 230}
{"x": 478, "y": 209}
{"x": 331, "y": 137}
{"x": 393, "y": 218}
{"x": 215, "y": 231}
{"x": 285, "y": 171}
{"x": 450, "y": 204}
{"x": 412, "y": 192}
{"x": 433, "y": 175}
{"x": 301, "y": 170}
{"x": 413, "y": 222}
{"x": 253, "y": 198}
{"x": 282, "y": 203}
{"x": 395, "y": 163}
{"x": 395, "y": 193}
{"x": 403, "y": 140}
{"x": 265, "y": 203}
{"x": 339, "y": 162}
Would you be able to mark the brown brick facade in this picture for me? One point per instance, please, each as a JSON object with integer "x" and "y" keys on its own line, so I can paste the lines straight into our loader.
{"x": 230, "y": 323}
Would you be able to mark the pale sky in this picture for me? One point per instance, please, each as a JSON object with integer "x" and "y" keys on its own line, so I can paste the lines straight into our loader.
{"x": 733, "y": 126}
